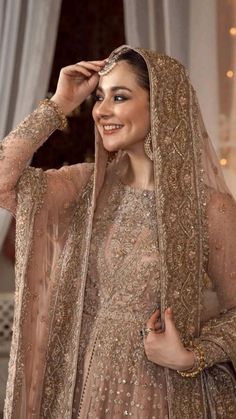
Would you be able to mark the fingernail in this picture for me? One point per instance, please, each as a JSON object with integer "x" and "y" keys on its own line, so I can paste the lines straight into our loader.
{"x": 157, "y": 307}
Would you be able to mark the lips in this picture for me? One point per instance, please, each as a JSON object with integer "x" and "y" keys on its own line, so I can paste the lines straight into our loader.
{"x": 111, "y": 128}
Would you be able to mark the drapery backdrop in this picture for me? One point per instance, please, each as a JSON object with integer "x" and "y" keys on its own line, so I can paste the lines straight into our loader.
{"x": 202, "y": 35}
{"x": 28, "y": 31}
{"x": 185, "y": 30}
{"x": 226, "y": 22}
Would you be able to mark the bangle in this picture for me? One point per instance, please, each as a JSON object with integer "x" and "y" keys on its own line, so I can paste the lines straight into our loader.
{"x": 60, "y": 114}
{"x": 199, "y": 363}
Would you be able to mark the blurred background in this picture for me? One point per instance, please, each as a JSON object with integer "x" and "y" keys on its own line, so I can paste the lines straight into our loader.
{"x": 37, "y": 38}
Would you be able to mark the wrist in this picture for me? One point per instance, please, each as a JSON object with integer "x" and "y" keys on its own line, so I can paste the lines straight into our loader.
{"x": 65, "y": 105}
{"x": 62, "y": 122}
{"x": 199, "y": 363}
{"x": 188, "y": 361}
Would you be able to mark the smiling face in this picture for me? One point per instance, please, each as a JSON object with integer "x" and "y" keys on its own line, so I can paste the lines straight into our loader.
{"x": 121, "y": 112}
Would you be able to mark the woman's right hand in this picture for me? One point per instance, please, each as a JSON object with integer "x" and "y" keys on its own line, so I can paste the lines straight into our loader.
{"x": 75, "y": 83}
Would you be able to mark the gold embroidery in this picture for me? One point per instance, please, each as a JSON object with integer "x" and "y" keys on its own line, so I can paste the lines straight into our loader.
{"x": 183, "y": 246}
{"x": 59, "y": 381}
{"x": 32, "y": 185}
{"x": 121, "y": 292}
{"x": 38, "y": 125}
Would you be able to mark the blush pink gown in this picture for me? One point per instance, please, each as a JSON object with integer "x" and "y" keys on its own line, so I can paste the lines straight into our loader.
{"x": 114, "y": 377}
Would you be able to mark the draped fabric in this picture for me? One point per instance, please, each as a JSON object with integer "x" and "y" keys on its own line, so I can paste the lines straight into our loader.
{"x": 227, "y": 90}
{"x": 187, "y": 31}
{"x": 195, "y": 217}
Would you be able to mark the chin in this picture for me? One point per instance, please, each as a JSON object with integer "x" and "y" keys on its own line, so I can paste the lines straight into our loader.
{"x": 110, "y": 148}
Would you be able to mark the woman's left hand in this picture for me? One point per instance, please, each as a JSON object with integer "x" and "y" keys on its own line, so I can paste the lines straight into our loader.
{"x": 165, "y": 347}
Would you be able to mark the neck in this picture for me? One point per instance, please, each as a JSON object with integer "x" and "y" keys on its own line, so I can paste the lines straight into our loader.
{"x": 139, "y": 172}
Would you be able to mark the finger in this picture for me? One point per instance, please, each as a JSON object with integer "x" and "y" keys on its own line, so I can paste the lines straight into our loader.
{"x": 90, "y": 65}
{"x": 73, "y": 69}
{"x": 158, "y": 325}
{"x": 83, "y": 70}
{"x": 169, "y": 313}
{"x": 145, "y": 332}
{"x": 76, "y": 71}
{"x": 169, "y": 318}
{"x": 153, "y": 319}
{"x": 159, "y": 328}
{"x": 98, "y": 62}
{"x": 158, "y": 332}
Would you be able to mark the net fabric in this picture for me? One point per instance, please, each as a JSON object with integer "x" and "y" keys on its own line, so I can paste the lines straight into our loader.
{"x": 179, "y": 139}
{"x": 53, "y": 196}
{"x": 219, "y": 297}
{"x": 114, "y": 377}
{"x": 54, "y": 212}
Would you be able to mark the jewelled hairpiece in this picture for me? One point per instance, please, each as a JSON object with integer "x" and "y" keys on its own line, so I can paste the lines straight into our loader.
{"x": 112, "y": 60}
{"x": 107, "y": 67}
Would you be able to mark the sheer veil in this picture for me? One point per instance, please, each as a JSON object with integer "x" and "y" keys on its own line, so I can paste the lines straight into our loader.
{"x": 196, "y": 216}
{"x": 196, "y": 234}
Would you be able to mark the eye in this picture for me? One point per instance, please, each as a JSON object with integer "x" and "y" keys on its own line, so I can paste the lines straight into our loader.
{"x": 119, "y": 98}
{"x": 98, "y": 98}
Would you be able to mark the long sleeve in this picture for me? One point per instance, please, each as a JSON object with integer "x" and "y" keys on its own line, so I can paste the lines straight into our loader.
{"x": 218, "y": 335}
{"x": 17, "y": 149}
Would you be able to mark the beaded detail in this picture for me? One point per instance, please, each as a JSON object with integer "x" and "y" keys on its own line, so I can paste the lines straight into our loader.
{"x": 122, "y": 289}
{"x": 199, "y": 362}
{"x": 148, "y": 146}
{"x": 181, "y": 219}
{"x": 61, "y": 116}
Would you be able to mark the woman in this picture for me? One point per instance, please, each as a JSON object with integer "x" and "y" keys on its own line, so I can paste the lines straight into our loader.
{"x": 113, "y": 316}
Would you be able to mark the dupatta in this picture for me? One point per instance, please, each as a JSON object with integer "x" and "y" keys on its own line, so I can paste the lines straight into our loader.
{"x": 54, "y": 214}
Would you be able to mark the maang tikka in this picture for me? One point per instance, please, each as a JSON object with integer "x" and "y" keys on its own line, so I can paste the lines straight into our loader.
{"x": 148, "y": 146}
{"x": 112, "y": 60}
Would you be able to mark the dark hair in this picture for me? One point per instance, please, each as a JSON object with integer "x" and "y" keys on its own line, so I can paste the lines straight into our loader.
{"x": 135, "y": 60}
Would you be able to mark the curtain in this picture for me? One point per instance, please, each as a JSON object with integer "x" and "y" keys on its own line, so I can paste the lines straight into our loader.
{"x": 202, "y": 35}
{"x": 227, "y": 89}
{"x": 28, "y": 30}
{"x": 186, "y": 30}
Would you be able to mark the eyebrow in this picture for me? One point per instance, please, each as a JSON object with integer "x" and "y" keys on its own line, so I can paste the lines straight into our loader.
{"x": 114, "y": 88}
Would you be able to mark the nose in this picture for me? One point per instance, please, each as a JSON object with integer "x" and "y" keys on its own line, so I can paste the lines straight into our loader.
{"x": 103, "y": 109}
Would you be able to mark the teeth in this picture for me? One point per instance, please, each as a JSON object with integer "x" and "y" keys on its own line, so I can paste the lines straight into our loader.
{"x": 111, "y": 127}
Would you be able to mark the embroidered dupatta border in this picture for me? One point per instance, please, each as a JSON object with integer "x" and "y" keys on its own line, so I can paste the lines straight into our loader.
{"x": 179, "y": 185}
{"x": 31, "y": 180}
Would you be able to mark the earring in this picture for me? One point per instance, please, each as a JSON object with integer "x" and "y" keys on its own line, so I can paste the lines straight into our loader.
{"x": 148, "y": 146}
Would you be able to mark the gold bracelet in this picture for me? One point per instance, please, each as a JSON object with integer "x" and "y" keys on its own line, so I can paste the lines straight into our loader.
{"x": 60, "y": 114}
{"x": 199, "y": 363}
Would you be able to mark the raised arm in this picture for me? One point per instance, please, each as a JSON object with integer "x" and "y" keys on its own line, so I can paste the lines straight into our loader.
{"x": 75, "y": 83}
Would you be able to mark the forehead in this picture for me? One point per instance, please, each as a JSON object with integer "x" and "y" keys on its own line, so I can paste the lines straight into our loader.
{"x": 121, "y": 74}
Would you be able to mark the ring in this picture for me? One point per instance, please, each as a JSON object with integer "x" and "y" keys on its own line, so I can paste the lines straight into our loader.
{"x": 145, "y": 330}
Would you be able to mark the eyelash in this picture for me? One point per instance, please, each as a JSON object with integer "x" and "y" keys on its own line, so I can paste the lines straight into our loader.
{"x": 123, "y": 98}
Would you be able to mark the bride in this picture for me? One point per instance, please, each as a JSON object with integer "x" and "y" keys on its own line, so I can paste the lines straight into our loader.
{"x": 125, "y": 274}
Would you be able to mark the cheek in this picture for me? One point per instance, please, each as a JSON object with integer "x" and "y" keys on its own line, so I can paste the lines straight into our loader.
{"x": 94, "y": 113}
{"x": 142, "y": 120}
{"x": 147, "y": 119}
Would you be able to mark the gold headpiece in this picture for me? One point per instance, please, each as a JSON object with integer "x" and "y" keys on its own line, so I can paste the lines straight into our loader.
{"x": 112, "y": 60}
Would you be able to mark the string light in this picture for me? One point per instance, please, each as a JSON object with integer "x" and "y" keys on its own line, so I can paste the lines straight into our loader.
{"x": 230, "y": 74}
{"x": 223, "y": 162}
{"x": 232, "y": 31}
